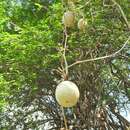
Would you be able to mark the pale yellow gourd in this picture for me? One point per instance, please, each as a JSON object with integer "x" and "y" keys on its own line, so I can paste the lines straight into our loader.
{"x": 128, "y": 128}
{"x": 67, "y": 94}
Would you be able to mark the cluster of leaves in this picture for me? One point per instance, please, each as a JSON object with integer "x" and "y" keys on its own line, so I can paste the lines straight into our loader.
{"x": 28, "y": 45}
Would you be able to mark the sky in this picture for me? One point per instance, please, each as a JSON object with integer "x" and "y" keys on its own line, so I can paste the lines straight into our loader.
{"x": 126, "y": 115}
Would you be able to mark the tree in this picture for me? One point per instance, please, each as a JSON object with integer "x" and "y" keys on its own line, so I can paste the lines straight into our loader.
{"x": 36, "y": 51}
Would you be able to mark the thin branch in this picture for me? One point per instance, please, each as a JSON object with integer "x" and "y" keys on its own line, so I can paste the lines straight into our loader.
{"x": 103, "y": 57}
{"x": 106, "y": 5}
{"x": 65, "y": 75}
{"x": 65, "y": 121}
{"x": 85, "y": 4}
{"x": 122, "y": 13}
{"x": 64, "y": 53}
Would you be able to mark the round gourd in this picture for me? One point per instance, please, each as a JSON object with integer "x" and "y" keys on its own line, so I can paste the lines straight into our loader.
{"x": 68, "y": 19}
{"x": 67, "y": 94}
{"x": 81, "y": 24}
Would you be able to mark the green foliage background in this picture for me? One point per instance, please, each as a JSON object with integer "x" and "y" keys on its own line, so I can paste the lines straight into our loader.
{"x": 31, "y": 33}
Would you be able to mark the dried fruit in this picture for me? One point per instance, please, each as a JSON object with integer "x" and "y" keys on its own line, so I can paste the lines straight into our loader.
{"x": 82, "y": 24}
{"x": 68, "y": 19}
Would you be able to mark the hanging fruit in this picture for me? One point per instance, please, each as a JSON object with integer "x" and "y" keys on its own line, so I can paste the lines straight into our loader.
{"x": 68, "y": 19}
{"x": 67, "y": 94}
{"x": 82, "y": 24}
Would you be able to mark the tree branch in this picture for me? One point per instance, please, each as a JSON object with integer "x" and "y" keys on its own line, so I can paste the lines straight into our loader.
{"x": 64, "y": 53}
{"x": 122, "y": 13}
{"x": 100, "y": 58}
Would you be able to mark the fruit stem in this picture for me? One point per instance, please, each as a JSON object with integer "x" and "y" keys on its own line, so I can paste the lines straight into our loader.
{"x": 65, "y": 121}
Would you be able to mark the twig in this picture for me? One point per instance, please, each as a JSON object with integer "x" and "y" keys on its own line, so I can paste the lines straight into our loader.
{"x": 106, "y": 5}
{"x": 65, "y": 75}
{"x": 122, "y": 13}
{"x": 100, "y": 58}
{"x": 64, "y": 53}
{"x": 65, "y": 121}
{"x": 85, "y": 4}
